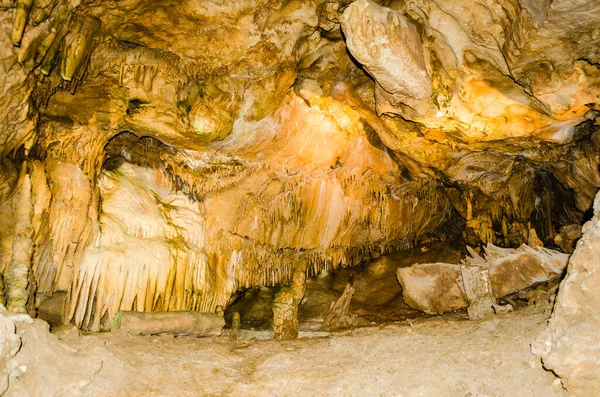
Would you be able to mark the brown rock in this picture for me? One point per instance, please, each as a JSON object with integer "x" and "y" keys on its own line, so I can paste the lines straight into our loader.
{"x": 512, "y": 270}
{"x": 54, "y": 309}
{"x": 439, "y": 287}
{"x": 433, "y": 287}
{"x": 568, "y": 237}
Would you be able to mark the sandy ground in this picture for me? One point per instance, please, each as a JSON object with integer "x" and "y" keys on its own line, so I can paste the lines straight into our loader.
{"x": 429, "y": 357}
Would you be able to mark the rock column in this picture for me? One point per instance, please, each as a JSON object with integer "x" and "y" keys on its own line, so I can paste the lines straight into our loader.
{"x": 16, "y": 274}
{"x": 285, "y": 307}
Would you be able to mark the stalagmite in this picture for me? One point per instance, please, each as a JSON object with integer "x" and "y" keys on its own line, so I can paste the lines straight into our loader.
{"x": 162, "y": 160}
{"x": 478, "y": 290}
{"x": 339, "y": 316}
{"x": 285, "y": 307}
{"x": 16, "y": 275}
{"x": 476, "y": 283}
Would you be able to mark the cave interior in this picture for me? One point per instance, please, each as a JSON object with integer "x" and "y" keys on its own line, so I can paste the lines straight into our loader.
{"x": 299, "y": 180}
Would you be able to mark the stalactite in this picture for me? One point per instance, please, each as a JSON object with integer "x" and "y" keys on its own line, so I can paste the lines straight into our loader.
{"x": 21, "y": 15}
{"x": 77, "y": 47}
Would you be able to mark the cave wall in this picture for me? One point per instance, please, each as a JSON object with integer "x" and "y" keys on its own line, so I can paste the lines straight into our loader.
{"x": 241, "y": 141}
{"x": 570, "y": 346}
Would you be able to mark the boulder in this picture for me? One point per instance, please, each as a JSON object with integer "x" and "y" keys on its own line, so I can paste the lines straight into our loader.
{"x": 512, "y": 270}
{"x": 433, "y": 287}
{"x": 436, "y": 288}
{"x": 567, "y": 238}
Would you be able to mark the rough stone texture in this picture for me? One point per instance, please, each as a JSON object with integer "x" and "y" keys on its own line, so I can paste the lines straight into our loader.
{"x": 459, "y": 66}
{"x": 176, "y": 323}
{"x": 433, "y": 287}
{"x": 482, "y": 358}
{"x": 285, "y": 307}
{"x": 512, "y": 270}
{"x": 329, "y": 130}
{"x": 389, "y": 47}
{"x": 54, "y": 309}
{"x": 476, "y": 283}
{"x": 439, "y": 287}
{"x": 570, "y": 346}
{"x": 567, "y": 238}
{"x": 339, "y": 316}
{"x": 10, "y": 344}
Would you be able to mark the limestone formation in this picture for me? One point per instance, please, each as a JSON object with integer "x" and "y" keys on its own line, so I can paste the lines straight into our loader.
{"x": 568, "y": 237}
{"x": 478, "y": 290}
{"x": 10, "y": 343}
{"x": 339, "y": 315}
{"x": 285, "y": 307}
{"x": 439, "y": 287}
{"x": 570, "y": 346}
{"x": 433, "y": 287}
{"x": 171, "y": 156}
{"x": 389, "y": 47}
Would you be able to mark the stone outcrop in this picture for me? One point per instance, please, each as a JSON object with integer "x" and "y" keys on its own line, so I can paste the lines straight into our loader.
{"x": 389, "y": 47}
{"x": 570, "y": 346}
{"x": 435, "y": 288}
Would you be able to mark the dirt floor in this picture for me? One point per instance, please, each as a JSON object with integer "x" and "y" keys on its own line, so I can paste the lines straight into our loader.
{"x": 396, "y": 351}
{"x": 427, "y": 357}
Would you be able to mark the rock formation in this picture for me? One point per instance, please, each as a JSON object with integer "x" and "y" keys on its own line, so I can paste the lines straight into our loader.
{"x": 285, "y": 307}
{"x": 570, "y": 346}
{"x": 164, "y": 156}
{"x": 10, "y": 344}
{"x": 439, "y": 287}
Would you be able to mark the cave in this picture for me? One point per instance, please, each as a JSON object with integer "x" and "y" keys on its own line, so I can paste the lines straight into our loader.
{"x": 300, "y": 198}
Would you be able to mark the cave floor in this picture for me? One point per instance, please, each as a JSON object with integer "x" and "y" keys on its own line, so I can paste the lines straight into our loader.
{"x": 436, "y": 356}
